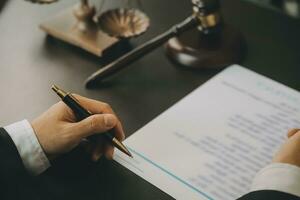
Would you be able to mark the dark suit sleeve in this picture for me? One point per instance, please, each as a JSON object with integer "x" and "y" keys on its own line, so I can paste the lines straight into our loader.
{"x": 11, "y": 167}
{"x": 268, "y": 195}
{"x": 11, "y": 163}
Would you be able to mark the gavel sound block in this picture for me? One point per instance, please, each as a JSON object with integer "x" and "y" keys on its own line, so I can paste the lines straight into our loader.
{"x": 213, "y": 44}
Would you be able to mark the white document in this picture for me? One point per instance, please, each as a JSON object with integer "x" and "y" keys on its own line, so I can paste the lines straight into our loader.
{"x": 210, "y": 145}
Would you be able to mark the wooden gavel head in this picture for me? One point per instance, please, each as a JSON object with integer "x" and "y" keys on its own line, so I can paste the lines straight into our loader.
{"x": 214, "y": 44}
{"x": 209, "y": 15}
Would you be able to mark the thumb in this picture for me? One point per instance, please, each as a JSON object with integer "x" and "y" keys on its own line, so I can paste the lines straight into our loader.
{"x": 97, "y": 123}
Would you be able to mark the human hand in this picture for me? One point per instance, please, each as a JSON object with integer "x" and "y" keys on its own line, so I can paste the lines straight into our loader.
{"x": 58, "y": 131}
{"x": 290, "y": 151}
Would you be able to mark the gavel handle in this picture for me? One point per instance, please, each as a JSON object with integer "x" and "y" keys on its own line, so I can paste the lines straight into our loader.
{"x": 141, "y": 50}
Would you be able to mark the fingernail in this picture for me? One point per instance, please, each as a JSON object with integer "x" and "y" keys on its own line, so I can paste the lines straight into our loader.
{"x": 109, "y": 120}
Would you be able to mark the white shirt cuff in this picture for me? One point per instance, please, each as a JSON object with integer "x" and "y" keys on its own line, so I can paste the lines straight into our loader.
{"x": 28, "y": 146}
{"x": 279, "y": 177}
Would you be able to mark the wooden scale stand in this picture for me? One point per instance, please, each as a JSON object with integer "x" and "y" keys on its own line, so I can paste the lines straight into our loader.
{"x": 203, "y": 40}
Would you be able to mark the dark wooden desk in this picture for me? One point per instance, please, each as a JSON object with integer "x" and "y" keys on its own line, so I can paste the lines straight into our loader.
{"x": 30, "y": 63}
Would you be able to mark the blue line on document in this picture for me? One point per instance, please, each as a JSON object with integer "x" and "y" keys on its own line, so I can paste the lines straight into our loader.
{"x": 171, "y": 174}
{"x": 135, "y": 167}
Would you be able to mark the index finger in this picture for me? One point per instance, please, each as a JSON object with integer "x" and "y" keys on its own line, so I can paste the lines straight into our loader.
{"x": 99, "y": 107}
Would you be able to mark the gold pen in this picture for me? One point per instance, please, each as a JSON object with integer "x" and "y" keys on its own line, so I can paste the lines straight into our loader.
{"x": 82, "y": 113}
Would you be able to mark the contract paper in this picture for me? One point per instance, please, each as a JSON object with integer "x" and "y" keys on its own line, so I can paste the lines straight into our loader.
{"x": 210, "y": 144}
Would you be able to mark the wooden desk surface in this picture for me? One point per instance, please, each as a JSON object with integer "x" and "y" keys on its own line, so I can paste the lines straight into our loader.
{"x": 30, "y": 62}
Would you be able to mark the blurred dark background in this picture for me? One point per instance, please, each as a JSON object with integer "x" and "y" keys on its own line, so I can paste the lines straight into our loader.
{"x": 289, "y": 7}
{"x": 2, "y": 3}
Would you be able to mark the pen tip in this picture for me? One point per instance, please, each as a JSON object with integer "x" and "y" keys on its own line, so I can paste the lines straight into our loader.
{"x": 130, "y": 155}
{"x": 121, "y": 147}
{"x": 126, "y": 151}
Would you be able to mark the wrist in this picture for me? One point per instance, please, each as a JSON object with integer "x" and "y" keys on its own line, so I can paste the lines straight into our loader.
{"x": 28, "y": 146}
{"x": 279, "y": 177}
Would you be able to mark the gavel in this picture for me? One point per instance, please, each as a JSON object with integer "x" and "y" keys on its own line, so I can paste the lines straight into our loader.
{"x": 206, "y": 17}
